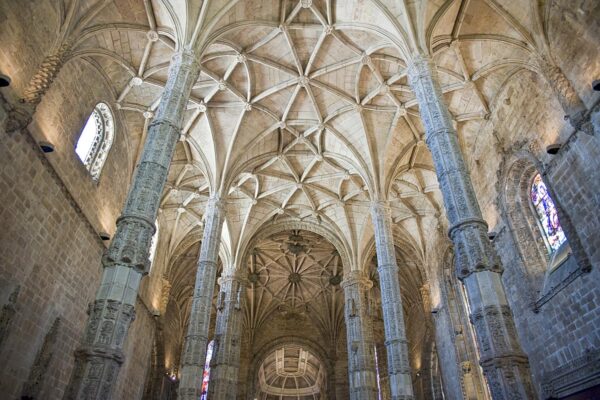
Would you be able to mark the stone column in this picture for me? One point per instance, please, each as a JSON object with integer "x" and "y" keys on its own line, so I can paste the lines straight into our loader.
{"x": 399, "y": 374}
{"x": 225, "y": 363}
{"x": 196, "y": 340}
{"x": 99, "y": 358}
{"x": 362, "y": 373}
{"x": 477, "y": 265}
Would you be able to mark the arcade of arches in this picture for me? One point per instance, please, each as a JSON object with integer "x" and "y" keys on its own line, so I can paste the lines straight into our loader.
{"x": 300, "y": 199}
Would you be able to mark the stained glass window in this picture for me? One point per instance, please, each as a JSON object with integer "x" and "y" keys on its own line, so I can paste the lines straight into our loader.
{"x": 96, "y": 139}
{"x": 206, "y": 374}
{"x": 546, "y": 213}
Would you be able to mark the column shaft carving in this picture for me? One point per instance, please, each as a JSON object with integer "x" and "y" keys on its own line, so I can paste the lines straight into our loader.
{"x": 399, "y": 374}
{"x": 225, "y": 364}
{"x": 362, "y": 373}
{"x": 504, "y": 364}
{"x": 100, "y": 357}
{"x": 196, "y": 340}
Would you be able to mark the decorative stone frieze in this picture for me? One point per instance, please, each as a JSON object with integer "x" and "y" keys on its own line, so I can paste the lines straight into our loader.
{"x": 362, "y": 372}
{"x": 477, "y": 264}
{"x": 393, "y": 316}
{"x": 21, "y": 114}
{"x": 196, "y": 340}
{"x": 580, "y": 374}
{"x": 100, "y": 357}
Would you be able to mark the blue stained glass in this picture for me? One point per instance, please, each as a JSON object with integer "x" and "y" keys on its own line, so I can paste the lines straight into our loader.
{"x": 546, "y": 213}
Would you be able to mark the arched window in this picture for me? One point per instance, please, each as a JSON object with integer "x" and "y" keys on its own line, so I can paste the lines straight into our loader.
{"x": 546, "y": 214}
{"x": 96, "y": 139}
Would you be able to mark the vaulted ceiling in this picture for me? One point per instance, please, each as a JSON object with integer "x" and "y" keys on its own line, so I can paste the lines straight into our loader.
{"x": 303, "y": 110}
{"x": 302, "y": 114}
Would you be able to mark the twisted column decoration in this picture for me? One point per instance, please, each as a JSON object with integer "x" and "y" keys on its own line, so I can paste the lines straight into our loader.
{"x": 196, "y": 340}
{"x": 225, "y": 364}
{"x": 572, "y": 105}
{"x": 505, "y": 365}
{"x": 362, "y": 373}
{"x": 99, "y": 358}
{"x": 399, "y": 373}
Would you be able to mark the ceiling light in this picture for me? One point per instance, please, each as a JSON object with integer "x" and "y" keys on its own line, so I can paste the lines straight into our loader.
{"x": 552, "y": 149}
{"x": 46, "y": 147}
{"x": 4, "y": 80}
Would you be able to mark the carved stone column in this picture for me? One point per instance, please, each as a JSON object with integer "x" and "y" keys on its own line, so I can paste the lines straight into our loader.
{"x": 225, "y": 363}
{"x": 399, "y": 374}
{"x": 99, "y": 358}
{"x": 504, "y": 364}
{"x": 196, "y": 340}
{"x": 567, "y": 96}
{"x": 362, "y": 373}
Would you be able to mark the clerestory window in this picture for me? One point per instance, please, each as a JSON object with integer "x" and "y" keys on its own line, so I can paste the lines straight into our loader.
{"x": 546, "y": 214}
{"x": 96, "y": 139}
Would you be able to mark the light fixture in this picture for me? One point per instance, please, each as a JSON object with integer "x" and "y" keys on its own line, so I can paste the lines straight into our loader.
{"x": 4, "y": 80}
{"x": 552, "y": 149}
{"x": 104, "y": 236}
{"x": 596, "y": 85}
{"x": 46, "y": 147}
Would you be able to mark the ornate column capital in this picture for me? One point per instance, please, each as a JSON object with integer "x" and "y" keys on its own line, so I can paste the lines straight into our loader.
{"x": 418, "y": 65}
{"x": 239, "y": 277}
{"x": 215, "y": 202}
{"x": 357, "y": 278}
{"x": 380, "y": 207}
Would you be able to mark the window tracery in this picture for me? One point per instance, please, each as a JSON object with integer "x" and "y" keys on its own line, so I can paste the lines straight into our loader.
{"x": 96, "y": 139}
{"x": 546, "y": 213}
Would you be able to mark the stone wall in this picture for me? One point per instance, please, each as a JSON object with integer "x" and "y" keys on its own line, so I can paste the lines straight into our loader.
{"x": 565, "y": 330}
{"x": 39, "y": 213}
{"x": 55, "y": 280}
{"x": 51, "y": 212}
